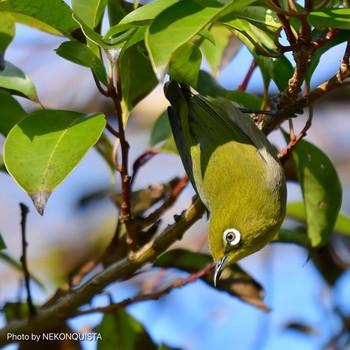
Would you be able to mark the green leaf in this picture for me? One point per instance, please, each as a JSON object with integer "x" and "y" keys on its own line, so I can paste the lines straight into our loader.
{"x": 145, "y": 14}
{"x": 90, "y": 11}
{"x": 161, "y": 129}
{"x": 17, "y": 82}
{"x": 137, "y": 76}
{"x": 7, "y": 30}
{"x": 11, "y": 112}
{"x": 116, "y": 11}
{"x": 208, "y": 86}
{"x": 339, "y": 38}
{"x": 260, "y": 16}
{"x": 120, "y": 331}
{"x": 183, "y": 260}
{"x": 79, "y": 53}
{"x": 53, "y": 16}
{"x": 15, "y": 311}
{"x": 225, "y": 47}
{"x": 321, "y": 189}
{"x": 185, "y": 64}
{"x": 335, "y": 18}
{"x": 162, "y": 139}
{"x": 176, "y": 25}
{"x": 297, "y": 212}
{"x": 2, "y": 243}
{"x": 45, "y": 146}
{"x": 278, "y": 69}
{"x": 2, "y": 164}
{"x": 99, "y": 40}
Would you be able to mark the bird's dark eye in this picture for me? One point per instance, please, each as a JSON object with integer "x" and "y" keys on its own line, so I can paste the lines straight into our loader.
{"x": 231, "y": 237}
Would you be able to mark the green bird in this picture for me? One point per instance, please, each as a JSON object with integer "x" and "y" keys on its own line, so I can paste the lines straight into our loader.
{"x": 233, "y": 168}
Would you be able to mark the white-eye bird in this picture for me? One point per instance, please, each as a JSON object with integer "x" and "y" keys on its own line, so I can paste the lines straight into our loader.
{"x": 233, "y": 168}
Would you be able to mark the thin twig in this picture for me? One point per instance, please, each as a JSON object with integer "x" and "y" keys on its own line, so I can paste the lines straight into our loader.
{"x": 249, "y": 74}
{"x": 24, "y": 214}
{"x": 125, "y": 216}
{"x": 139, "y": 162}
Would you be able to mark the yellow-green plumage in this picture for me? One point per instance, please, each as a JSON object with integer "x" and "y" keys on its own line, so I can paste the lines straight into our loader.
{"x": 233, "y": 168}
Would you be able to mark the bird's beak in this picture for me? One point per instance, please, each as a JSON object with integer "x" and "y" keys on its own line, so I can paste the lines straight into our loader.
{"x": 219, "y": 267}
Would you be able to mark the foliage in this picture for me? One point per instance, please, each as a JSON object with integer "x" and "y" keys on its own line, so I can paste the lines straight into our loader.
{"x": 143, "y": 46}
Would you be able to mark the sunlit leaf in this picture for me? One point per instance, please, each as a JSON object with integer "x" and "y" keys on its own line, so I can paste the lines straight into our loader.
{"x": 144, "y": 14}
{"x": 17, "y": 82}
{"x": 11, "y": 112}
{"x": 79, "y": 53}
{"x": 90, "y": 11}
{"x": 225, "y": 46}
{"x": 178, "y": 24}
{"x": 45, "y": 146}
{"x": 54, "y": 16}
{"x": 321, "y": 190}
{"x": 334, "y": 18}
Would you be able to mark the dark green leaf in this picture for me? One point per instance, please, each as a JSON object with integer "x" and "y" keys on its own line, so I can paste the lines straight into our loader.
{"x": 11, "y": 112}
{"x": 120, "y": 331}
{"x": 208, "y": 86}
{"x": 185, "y": 64}
{"x": 7, "y": 30}
{"x": 297, "y": 236}
{"x": 321, "y": 190}
{"x": 116, "y": 11}
{"x": 2, "y": 243}
{"x": 49, "y": 144}
{"x": 335, "y": 18}
{"x": 17, "y": 82}
{"x": 79, "y": 53}
{"x": 137, "y": 76}
{"x": 339, "y": 38}
{"x": 183, "y": 260}
{"x": 162, "y": 139}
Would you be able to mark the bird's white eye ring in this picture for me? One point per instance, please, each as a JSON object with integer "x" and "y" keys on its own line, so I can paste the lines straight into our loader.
{"x": 231, "y": 237}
